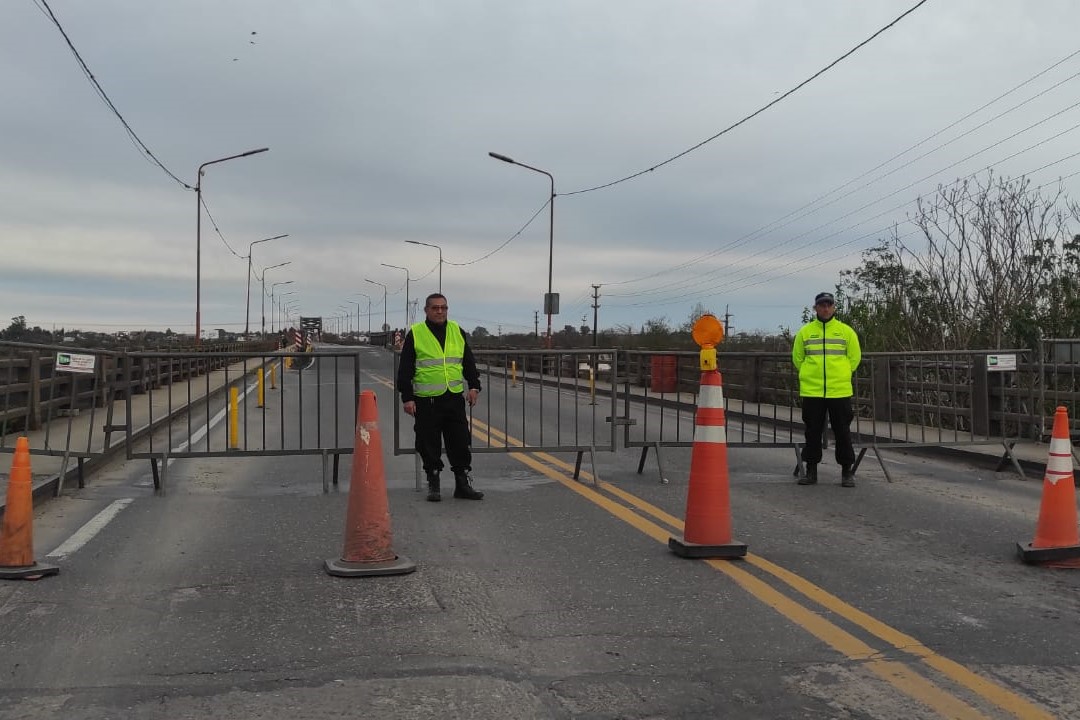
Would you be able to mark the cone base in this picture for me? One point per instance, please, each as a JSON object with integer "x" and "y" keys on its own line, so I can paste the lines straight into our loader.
{"x": 400, "y": 565}
{"x": 28, "y": 572}
{"x": 680, "y": 547}
{"x": 1034, "y": 556}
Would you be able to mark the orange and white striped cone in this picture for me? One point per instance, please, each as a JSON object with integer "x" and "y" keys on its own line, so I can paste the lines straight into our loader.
{"x": 707, "y": 529}
{"x": 1057, "y": 537}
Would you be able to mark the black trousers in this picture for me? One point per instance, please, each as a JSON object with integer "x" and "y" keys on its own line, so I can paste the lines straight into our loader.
{"x": 840, "y": 416}
{"x": 438, "y": 419}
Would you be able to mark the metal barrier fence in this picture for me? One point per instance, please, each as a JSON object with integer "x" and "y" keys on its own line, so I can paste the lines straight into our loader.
{"x": 538, "y": 401}
{"x": 245, "y": 404}
{"x": 534, "y": 400}
{"x": 937, "y": 398}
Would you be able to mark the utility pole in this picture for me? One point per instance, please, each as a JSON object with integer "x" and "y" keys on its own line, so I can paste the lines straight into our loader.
{"x": 595, "y": 308}
{"x": 727, "y": 321}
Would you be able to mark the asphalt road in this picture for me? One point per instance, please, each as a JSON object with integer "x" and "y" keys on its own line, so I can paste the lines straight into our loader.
{"x": 548, "y": 599}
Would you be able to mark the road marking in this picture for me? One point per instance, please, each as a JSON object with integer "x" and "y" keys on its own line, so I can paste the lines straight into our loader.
{"x": 897, "y": 674}
{"x": 86, "y": 533}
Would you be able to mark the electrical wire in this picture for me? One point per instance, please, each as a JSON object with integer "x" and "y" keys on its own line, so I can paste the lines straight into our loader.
{"x": 511, "y": 238}
{"x": 135, "y": 139}
{"x": 757, "y": 112}
{"x": 218, "y": 231}
{"x": 795, "y": 214}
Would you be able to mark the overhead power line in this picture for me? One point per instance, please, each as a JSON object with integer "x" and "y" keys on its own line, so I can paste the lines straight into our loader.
{"x": 757, "y": 112}
{"x": 508, "y": 241}
{"x": 135, "y": 139}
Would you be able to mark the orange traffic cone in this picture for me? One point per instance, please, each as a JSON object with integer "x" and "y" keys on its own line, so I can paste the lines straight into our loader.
{"x": 17, "y": 532}
{"x": 1056, "y": 535}
{"x": 707, "y": 530}
{"x": 368, "y": 543}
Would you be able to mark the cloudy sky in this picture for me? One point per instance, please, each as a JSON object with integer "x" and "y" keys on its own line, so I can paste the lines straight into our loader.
{"x": 380, "y": 116}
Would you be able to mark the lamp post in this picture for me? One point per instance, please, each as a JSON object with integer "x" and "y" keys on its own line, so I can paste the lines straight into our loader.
{"x": 398, "y": 267}
{"x": 247, "y": 303}
{"x": 272, "y": 286}
{"x": 551, "y": 303}
{"x": 286, "y": 309}
{"x": 277, "y": 308}
{"x": 368, "y": 315}
{"x": 417, "y": 242}
{"x": 198, "y": 237}
{"x": 385, "y": 326}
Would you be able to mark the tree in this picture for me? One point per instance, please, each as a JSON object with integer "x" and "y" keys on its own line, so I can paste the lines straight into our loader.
{"x": 993, "y": 266}
{"x": 16, "y": 330}
{"x": 480, "y": 332}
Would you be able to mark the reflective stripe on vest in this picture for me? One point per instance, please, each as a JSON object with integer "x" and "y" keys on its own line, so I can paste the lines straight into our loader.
{"x": 438, "y": 368}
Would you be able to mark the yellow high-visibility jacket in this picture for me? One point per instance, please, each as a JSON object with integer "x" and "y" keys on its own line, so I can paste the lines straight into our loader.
{"x": 438, "y": 367}
{"x": 826, "y": 355}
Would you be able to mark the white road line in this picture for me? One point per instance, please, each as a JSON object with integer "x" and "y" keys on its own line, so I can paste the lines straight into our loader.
{"x": 86, "y": 533}
{"x": 203, "y": 429}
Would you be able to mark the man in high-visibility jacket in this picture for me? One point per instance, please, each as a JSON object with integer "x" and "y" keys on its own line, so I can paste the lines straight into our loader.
{"x": 826, "y": 353}
{"x": 436, "y": 377}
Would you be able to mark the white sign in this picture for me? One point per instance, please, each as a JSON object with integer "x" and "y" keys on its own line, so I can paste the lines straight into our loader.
{"x": 74, "y": 362}
{"x": 1000, "y": 363}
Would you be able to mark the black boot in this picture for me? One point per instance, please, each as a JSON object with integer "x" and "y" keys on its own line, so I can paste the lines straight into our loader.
{"x": 847, "y": 476}
{"x": 463, "y": 489}
{"x": 811, "y": 475}
{"x": 433, "y": 494}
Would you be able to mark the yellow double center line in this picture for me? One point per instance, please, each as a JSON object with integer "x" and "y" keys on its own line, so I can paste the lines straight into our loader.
{"x": 632, "y": 509}
{"x": 899, "y": 675}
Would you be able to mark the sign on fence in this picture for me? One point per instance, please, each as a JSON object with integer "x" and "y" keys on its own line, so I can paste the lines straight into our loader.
{"x": 1000, "y": 363}
{"x": 74, "y": 362}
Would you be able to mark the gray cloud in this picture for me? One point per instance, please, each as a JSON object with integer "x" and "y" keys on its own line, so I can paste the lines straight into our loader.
{"x": 379, "y": 117}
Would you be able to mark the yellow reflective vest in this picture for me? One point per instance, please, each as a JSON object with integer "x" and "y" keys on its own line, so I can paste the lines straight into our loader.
{"x": 826, "y": 355}
{"x": 438, "y": 367}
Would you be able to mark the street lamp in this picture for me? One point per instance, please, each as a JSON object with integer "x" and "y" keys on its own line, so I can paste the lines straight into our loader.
{"x": 417, "y": 242}
{"x": 277, "y": 309}
{"x": 198, "y": 237}
{"x": 286, "y": 309}
{"x": 398, "y": 267}
{"x": 247, "y": 305}
{"x": 385, "y": 326}
{"x": 264, "y": 281}
{"x": 368, "y": 315}
{"x": 551, "y": 301}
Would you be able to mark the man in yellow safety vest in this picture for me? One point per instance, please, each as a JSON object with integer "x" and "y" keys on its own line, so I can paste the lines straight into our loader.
{"x": 436, "y": 377}
{"x": 826, "y": 353}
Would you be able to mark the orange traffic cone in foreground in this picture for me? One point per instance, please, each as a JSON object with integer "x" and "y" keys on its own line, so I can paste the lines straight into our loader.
{"x": 17, "y": 532}
{"x": 707, "y": 530}
{"x": 368, "y": 543}
{"x": 1056, "y": 535}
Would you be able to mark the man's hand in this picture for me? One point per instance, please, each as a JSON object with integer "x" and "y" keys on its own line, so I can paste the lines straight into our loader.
{"x": 471, "y": 396}
{"x": 410, "y": 407}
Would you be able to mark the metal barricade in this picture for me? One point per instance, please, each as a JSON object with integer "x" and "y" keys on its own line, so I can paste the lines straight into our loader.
{"x": 55, "y": 396}
{"x": 234, "y": 404}
{"x": 918, "y": 399}
{"x": 538, "y": 401}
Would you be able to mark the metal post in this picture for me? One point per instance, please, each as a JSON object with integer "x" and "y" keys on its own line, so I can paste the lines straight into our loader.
{"x": 198, "y": 237}
{"x": 551, "y": 233}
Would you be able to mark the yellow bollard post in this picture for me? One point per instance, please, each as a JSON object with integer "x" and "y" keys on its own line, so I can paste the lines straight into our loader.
{"x": 513, "y": 373}
{"x": 288, "y": 362}
{"x": 234, "y": 420}
{"x": 262, "y": 395}
{"x": 273, "y": 376}
{"x": 592, "y": 386}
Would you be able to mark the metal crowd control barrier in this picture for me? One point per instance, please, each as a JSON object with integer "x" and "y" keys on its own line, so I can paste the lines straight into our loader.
{"x": 919, "y": 399}
{"x": 54, "y": 395}
{"x": 537, "y": 401}
{"x": 244, "y": 404}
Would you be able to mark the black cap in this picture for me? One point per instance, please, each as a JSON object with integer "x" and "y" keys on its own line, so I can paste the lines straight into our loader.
{"x": 824, "y": 297}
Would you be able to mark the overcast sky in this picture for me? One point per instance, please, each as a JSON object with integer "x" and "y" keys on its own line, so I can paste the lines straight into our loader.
{"x": 379, "y": 117}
